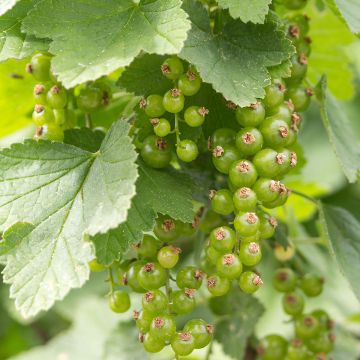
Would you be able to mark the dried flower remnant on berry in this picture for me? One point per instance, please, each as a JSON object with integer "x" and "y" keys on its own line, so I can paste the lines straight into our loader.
{"x": 243, "y": 167}
{"x": 218, "y": 151}
{"x": 251, "y": 218}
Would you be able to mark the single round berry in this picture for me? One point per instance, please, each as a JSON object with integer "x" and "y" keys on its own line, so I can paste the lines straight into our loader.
{"x": 267, "y": 190}
{"x": 284, "y": 280}
{"x": 298, "y": 69}
{"x": 224, "y": 156}
{"x": 250, "y": 253}
{"x": 246, "y": 223}
{"x": 274, "y": 96}
{"x": 39, "y": 93}
{"x": 161, "y": 126}
{"x": 154, "y": 302}
{"x": 293, "y": 303}
{"x": 189, "y": 277}
{"x": 189, "y": 83}
{"x": 322, "y": 343}
{"x": 272, "y": 347}
{"x": 249, "y": 141}
{"x": 119, "y": 301}
{"x": 284, "y": 254}
{"x": 39, "y": 67}
{"x": 183, "y": 301}
{"x": 194, "y": 116}
{"x": 130, "y": 277}
{"x": 183, "y": 343}
{"x": 311, "y": 285}
{"x": 252, "y": 115}
{"x": 89, "y": 99}
{"x": 187, "y": 150}
{"x": 95, "y": 266}
{"x": 217, "y": 285}
{"x": 57, "y": 97}
{"x": 156, "y": 152}
{"x": 301, "y": 97}
{"x": 222, "y": 137}
{"x": 269, "y": 163}
{"x": 244, "y": 199}
{"x": 229, "y": 266}
{"x": 297, "y": 351}
{"x": 173, "y": 101}
{"x": 152, "y": 344}
{"x": 42, "y": 115}
{"x": 163, "y": 327}
{"x": 201, "y": 331}
{"x": 221, "y": 201}
{"x": 281, "y": 200}
{"x": 223, "y": 239}
{"x": 153, "y": 106}
{"x": 285, "y": 111}
{"x": 250, "y": 282}
{"x": 51, "y": 132}
{"x": 324, "y": 319}
{"x": 148, "y": 248}
{"x": 142, "y": 320}
{"x": 275, "y": 132}
{"x": 168, "y": 256}
{"x": 242, "y": 173}
{"x": 167, "y": 229}
{"x": 151, "y": 276}
{"x": 307, "y": 327}
{"x": 172, "y": 68}
{"x": 268, "y": 225}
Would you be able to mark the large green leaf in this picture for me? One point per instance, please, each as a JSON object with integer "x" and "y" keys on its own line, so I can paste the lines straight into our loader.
{"x": 235, "y": 61}
{"x": 63, "y": 191}
{"x": 13, "y": 43}
{"x": 100, "y": 37}
{"x": 343, "y": 230}
{"x": 247, "y": 10}
{"x": 349, "y": 11}
{"x": 340, "y": 133}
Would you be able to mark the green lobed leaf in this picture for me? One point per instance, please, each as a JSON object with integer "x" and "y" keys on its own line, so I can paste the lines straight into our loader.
{"x": 342, "y": 230}
{"x": 242, "y": 314}
{"x": 14, "y": 43}
{"x": 247, "y": 10}
{"x": 340, "y": 133}
{"x": 100, "y": 37}
{"x": 63, "y": 191}
{"x": 349, "y": 11}
{"x": 235, "y": 61}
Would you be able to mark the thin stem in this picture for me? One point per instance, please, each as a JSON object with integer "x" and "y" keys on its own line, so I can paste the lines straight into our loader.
{"x": 299, "y": 193}
{"x": 209, "y": 351}
{"x": 168, "y": 288}
{"x": 111, "y": 281}
{"x": 177, "y": 130}
{"x": 88, "y": 122}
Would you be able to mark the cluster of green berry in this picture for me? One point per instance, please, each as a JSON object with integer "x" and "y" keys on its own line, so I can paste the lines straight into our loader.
{"x": 313, "y": 336}
{"x": 57, "y": 109}
{"x": 156, "y": 149}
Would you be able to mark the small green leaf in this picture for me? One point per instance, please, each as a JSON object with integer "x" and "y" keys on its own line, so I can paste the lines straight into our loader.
{"x": 63, "y": 191}
{"x": 342, "y": 231}
{"x": 236, "y": 61}
{"x": 242, "y": 314}
{"x": 100, "y": 37}
{"x": 340, "y": 133}
{"x": 247, "y": 10}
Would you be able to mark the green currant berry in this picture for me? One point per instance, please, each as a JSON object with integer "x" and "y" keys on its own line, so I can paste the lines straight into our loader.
{"x": 217, "y": 285}
{"x": 281, "y": 200}
{"x": 250, "y": 253}
{"x": 51, "y": 132}
{"x": 304, "y": 46}
{"x": 163, "y": 327}
{"x": 223, "y": 239}
{"x": 172, "y": 68}
{"x": 301, "y": 97}
{"x": 166, "y": 229}
{"x": 119, "y": 301}
{"x": 324, "y": 319}
{"x": 307, "y": 327}
{"x": 298, "y": 69}
{"x": 221, "y": 201}
{"x": 194, "y": 116}
{"x": 189, "y": 83}
{"x": 229, "y": 266}
{"x": 275, "y": 132}
{"x": 242, "y": 173}
{"x": 153, "y": 106}
{"x": 224, "y": 156}
{"x": 293, "y": 303}
{"x": 154, "y": 302}
{"x": 252, "y": 115}
{"x": 201, "y": 332}
{"x": 42, "y": 115}
{"x": 285, "y": 112}
{"x": 312, "y": 285}
{"x": 96, "y": 267}
{"x": 130, "y": 278}
{"x": 294, "y": 4}
{"x": 173, "y": 101}
{"x": 322, "y": 343}
{"x": 244, "y": 199}
{"x": 183, "y": 301}
{"x": 142, "y": 320}
{"x": 249, "y": 141}
{"x": 89, "y": 99}
{"x": 267, "y": 190}
{"x": 189, "y": 277}
{"x": 57, "y": 97}
{"x": 246, "y": 223}
{"x": 274, "y": 96}
{"x": 156, "y": 152}
{"x": 268, "y": 225}
{"x": 183, "y": 343}
{"x": 272, "y": 347}
{"x": 152, "y": 344}
{"x": 39, "y": 67}
{"x": 39, "y": 92}
{"x": 187, "y": 150}
{"x": 151, "y": 276}
{"x": 297, "y": 351}
{"x": 161, "y": 126}
{"x": 222, "y": 137}
{"x": 168, "y": 256}
{"x": 148, "y": 248}
{"x": 284, "y": 280}
{"x": 250, "y": 282}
